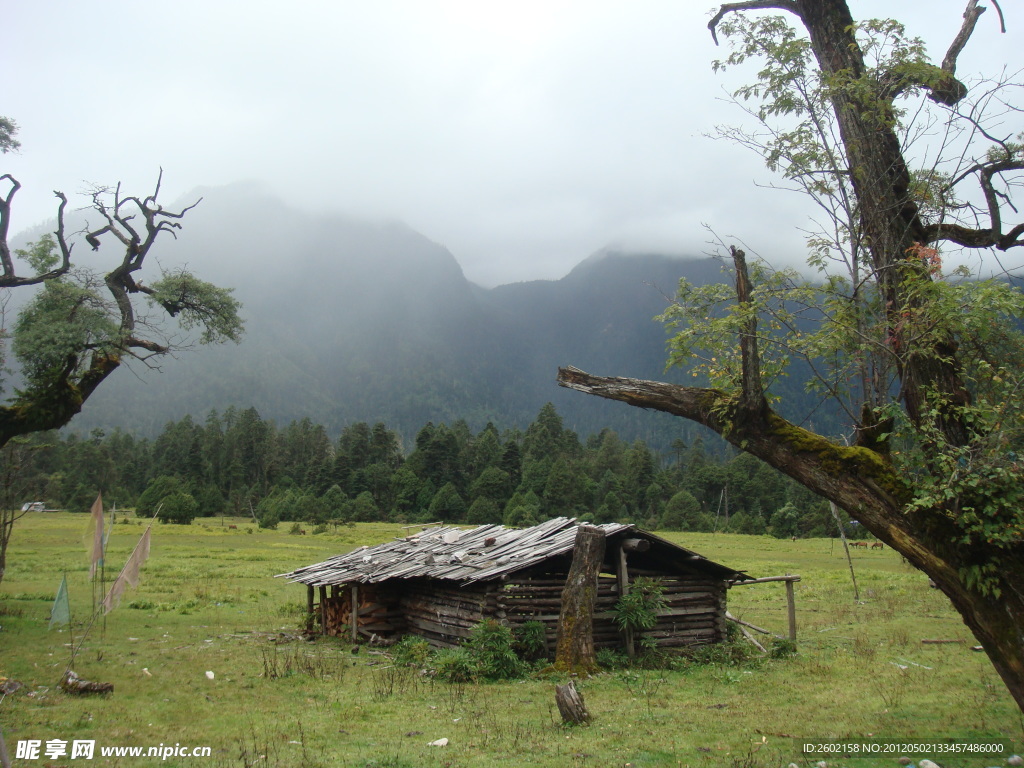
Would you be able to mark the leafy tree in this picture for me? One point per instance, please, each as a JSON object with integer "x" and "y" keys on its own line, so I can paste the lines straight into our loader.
{"x": 522, "y": 510}
{"x": 79, "y": 326}
{"x": 683, "y": 513}
{"x": 8, "y": 129}
{"x": 493, "y": 483}
{"x": 363, "y": 509}
{"x": 335, "y": 503}
{"x": 785, "y": 522}
{"x": 565, "y": 492}
{"x": 157, "y": 492}
{"x": 928, "y": 367}
{"x": 179, "y": 507}
{"x": 447, "y": 504}
{"x": 483, "y": 511}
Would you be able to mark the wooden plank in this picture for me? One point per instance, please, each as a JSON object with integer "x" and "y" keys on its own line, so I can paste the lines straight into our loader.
{"x": 766, "y": 579}
{"x": 791, "y": 609}
{"x": 323, "y": 610}
{"x": 354, "y": 615}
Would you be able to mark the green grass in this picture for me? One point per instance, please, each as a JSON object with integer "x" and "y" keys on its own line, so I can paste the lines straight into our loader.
{"x": 208, "y": 602}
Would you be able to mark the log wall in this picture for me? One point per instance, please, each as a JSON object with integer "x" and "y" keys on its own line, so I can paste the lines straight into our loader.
{"x": 694, "y": 611}
{"x": 444, "y": 613}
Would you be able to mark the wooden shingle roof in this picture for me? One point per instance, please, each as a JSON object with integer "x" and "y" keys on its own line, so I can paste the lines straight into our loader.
{"x": 464, "y": 556}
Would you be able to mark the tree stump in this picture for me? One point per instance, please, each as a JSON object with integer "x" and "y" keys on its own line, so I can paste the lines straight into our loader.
{"x": 574, "y": 648}
{"x": 570, "y": 704}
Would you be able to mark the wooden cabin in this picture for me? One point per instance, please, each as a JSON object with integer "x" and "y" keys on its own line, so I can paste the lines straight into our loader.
{"x": 441, "y": 582}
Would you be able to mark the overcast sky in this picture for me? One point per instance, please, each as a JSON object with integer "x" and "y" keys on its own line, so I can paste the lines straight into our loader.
{"x": 522, "y": 135}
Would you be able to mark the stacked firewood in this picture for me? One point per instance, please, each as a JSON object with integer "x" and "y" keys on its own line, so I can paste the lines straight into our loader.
{"x": 374, "y": 617}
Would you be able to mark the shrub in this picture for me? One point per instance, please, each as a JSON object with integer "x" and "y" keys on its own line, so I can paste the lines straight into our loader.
{"x": 608, "y": 658}
{"x": 491, "y": 646}
{"x": 638, "y": 610}
{"x": 179, "y": 507}
{"x": 531, "y": 641}
{"x": 411, "y": 651}
{"x": 268, "y": 518}
{"x": 454, "y": 665}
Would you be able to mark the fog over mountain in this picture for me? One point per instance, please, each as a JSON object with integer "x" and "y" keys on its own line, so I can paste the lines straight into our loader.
{"x": 355, "y": 320}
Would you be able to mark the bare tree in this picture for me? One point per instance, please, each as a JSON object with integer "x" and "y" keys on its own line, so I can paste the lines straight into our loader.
{"x": 80, "y": 326}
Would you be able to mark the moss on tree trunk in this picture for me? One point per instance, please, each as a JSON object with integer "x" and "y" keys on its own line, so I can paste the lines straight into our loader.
{"x": 574, "y": 650}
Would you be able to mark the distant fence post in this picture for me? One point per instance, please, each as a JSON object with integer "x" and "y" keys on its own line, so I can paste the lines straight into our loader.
{"x": 791, "y": 605}
{"x": 790, "y": 579}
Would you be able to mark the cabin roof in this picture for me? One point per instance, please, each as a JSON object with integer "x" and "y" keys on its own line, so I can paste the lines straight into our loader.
{"x": 484, "y": 553}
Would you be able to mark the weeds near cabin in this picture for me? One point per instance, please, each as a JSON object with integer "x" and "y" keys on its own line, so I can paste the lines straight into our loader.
{"x": 890, "y": 685}
{"x": 388, "y": 679}
{"x": 257, "y": 747}
{"x": 296, "y": 660}
{"x": 643, "y": 684}
{"x": 531, "y": 641}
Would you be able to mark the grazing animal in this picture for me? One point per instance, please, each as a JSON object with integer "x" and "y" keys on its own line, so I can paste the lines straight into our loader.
{"x": 859, "y": 544}
{"x": 230, "y": 527}
{"x": 877, "y": 545}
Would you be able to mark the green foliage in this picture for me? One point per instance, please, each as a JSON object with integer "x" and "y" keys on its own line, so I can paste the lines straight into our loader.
{"x": 58, "y": 326}
{"x": 178, "y": 507}
{"x": 8, "y": 130}
{"x": 455, "y": 665}
{"x": 411, "y": 651}
{"x": 492, "y": 648}
{"x": 781, "y": 648}
{"x": 447, "y": 505}
{"x": 638, "y": 609}
{"x": 41, "y": 255}
{"x": 198, "y": 304}
{"x": 236, "y": 463}
{"x": 531, "y": 641}
{"x": 608, "y": 658}
{"x": 157, "y": 490}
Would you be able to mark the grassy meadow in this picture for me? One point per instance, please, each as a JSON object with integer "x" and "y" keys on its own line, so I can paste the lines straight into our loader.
{"x": 208, "y": 602}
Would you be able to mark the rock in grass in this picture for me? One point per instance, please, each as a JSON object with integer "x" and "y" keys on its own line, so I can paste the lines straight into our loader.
{"x": 926, "y": 763}
{"x": 1015, "y": 760}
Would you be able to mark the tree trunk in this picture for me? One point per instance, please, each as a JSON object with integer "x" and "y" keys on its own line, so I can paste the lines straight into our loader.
{"x": 865, "y": 484}
{"x": 574, "y": 649}
{"x": 889, "y": 217}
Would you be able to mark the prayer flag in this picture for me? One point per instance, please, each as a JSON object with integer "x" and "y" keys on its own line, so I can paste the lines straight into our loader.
{"x": 97, "y": 536}
{"x": 60, "y": 613}
{"x": 129, "y": 575}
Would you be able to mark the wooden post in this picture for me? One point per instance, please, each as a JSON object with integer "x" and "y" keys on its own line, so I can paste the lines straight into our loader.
{"x": 309, "y": 608}
{"x": 354, "y": 596}
{"x": 622, "y": 577}
{"x": 574, "y": 649}
{"x": 791, "y": 605}
{"x": 323, "y": 610}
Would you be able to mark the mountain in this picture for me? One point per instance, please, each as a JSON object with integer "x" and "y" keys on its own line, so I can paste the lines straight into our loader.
{"x": 350, "y": 320}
